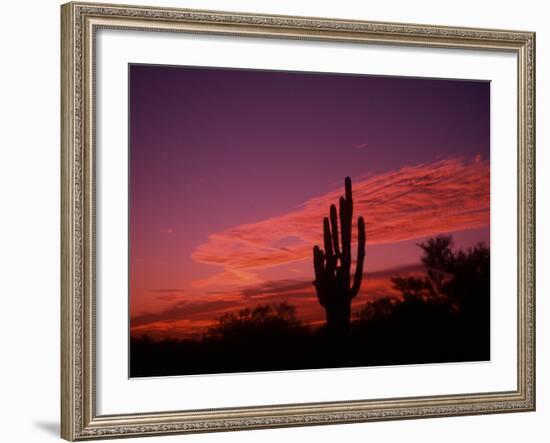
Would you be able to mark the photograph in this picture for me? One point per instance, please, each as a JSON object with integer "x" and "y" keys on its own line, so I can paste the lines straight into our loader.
{"x": 285, "y": 220}
{"x": 274, "y": 221}
{"x": 289, "y": 217}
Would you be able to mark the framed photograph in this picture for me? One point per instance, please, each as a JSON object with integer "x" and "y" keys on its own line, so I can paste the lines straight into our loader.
{"x": 282, "y": 221}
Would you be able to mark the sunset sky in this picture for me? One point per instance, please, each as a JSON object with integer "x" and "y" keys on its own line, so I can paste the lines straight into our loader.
{"x": 232, "y": 172}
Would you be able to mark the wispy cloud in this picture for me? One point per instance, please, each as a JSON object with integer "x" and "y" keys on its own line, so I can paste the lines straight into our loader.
{"x": 362, "y": 146}
{"x": 277, "y": 287}
{"x": 167, "y": 294}
{"x": 183, "y": 311}
{"x": 168, "y": 290}
{"x": 412, "y": 202}
{"x": 183, "y": 318}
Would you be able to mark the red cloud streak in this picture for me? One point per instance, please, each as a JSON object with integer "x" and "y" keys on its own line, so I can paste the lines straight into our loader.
{"x": 412, "y": 202}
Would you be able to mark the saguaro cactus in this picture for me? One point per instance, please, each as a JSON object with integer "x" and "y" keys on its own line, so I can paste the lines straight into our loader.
{"x": 333, "y": 265}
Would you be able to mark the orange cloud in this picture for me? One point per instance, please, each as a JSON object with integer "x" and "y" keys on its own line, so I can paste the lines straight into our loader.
{"x": 412, "y": 202}
{"x": 186, "y": 319}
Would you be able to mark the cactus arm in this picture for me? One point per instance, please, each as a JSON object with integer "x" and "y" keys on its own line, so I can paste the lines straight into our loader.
{"x": 320, "y": 282}
{"x": 345, "y": 258}
{"x": 334, "y": 227}
{"x": 331, "y": 258}
{"x": 318, "y": 264}
{"x": 361, "y": 240}
{"x": 346, "y": 214}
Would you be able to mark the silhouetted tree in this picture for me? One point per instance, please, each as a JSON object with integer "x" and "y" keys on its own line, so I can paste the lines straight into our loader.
{"x": 275, "y": 320}
{"x": 456, "y": 287}
{"x": 462, "y": 278}
{"x": 379, "y": 309}
{"x": 333, "y": 265}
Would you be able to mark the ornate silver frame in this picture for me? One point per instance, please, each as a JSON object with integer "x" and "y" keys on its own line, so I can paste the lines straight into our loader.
{"x": 80, "y": 21}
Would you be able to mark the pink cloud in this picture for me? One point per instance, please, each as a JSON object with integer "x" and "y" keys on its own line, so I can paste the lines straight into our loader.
{"x": 412, "y": 202}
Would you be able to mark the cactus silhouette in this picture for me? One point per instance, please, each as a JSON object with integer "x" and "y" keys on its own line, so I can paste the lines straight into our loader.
{"x": 333, "y": 264}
